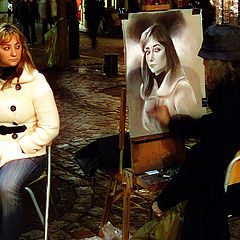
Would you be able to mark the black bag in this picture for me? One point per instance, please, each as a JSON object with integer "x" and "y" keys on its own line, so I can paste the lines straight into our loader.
{"x": 103, "y": 154}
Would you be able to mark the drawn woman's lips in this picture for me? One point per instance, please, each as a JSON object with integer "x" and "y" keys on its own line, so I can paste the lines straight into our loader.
{"x": 152, "y": 65}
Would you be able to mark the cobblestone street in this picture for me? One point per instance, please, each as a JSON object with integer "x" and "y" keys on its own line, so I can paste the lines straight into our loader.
{"x": 89, "y": 104}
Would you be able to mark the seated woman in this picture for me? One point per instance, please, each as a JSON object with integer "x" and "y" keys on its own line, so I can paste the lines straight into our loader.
{"x": 200, "y": 181}
{"x": 164, "y": 80}
{"x": 28, "y": 122}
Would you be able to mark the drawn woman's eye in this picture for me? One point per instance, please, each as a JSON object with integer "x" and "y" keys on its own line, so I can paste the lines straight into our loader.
{"x": 157, "y": 49}
{"x": 147, "y": 51}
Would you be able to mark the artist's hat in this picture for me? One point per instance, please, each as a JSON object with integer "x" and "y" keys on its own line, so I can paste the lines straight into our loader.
{"x": 221, "y": 42}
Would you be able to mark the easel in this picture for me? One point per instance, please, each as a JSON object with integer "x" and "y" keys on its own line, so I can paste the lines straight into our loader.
{"x": 146, "y": 154}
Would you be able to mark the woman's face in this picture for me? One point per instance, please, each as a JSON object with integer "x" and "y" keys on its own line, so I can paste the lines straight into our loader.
{"x": 10, "y": 52}
{"x": 155, "y": 56}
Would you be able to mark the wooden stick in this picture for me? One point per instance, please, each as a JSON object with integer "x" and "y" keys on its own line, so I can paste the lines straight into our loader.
{"x": 122, "y": 127}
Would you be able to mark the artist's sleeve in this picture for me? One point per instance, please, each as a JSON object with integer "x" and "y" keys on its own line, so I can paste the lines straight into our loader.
{"x": 190, "y": 178}
{"x": 47, "y": 127}
{"x": 207, "y": 158}
{"x": 185, "y": 126}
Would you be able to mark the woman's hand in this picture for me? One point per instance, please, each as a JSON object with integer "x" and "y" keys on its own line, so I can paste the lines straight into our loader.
{"x": 161, "y": 113}
{"x": 156, "y": 209}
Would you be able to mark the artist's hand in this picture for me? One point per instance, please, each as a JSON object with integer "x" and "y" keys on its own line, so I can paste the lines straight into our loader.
{"x": 156, "y": 209}
{"x": 161, "y": 113}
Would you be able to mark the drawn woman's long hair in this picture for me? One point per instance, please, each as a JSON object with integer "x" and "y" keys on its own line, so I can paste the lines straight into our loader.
{"x": 160, "y": 34}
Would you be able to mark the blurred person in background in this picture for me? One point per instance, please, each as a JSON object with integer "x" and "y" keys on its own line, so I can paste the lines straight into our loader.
{"x": 92, "y": 13}
{"x": 22, "y": 14}
{"x": 48, "y": 14}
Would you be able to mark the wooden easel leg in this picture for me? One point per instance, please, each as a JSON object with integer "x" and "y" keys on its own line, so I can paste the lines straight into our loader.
{"x": 112, "y": 186}
{"x": 126, "y": 210}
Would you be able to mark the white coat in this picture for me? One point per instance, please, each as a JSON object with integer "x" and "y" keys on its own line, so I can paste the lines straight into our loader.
{"x": 177, "y": 95}
{"x": 33, "y": 105}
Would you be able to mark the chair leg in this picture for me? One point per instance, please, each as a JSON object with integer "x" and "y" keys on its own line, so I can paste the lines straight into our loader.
{"x": 43, "y": 220}
{"x": 44, "y": 223}
{"x": 35, "y": 204}
{"x": 126, "y": 209}
{"x": 47, "y": 194}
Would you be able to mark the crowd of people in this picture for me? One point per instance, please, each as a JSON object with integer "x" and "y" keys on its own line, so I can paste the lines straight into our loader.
{"x": 28, "y": 12}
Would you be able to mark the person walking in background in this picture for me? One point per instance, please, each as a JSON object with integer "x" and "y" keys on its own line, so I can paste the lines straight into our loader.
{"x": 22, "y": 14}
{"x": 73, "y": 29}
{"x": 26, "y": 13}
{"x": 16, "y": 13}
{"x": 29, "y": 121}
{"x": 48, "y": 13}
{"x": 33, "y": 17}
{"x": 92, "y": 13}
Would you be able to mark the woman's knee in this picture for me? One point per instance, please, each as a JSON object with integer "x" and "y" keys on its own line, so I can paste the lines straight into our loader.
{"x": 9, "y": 193}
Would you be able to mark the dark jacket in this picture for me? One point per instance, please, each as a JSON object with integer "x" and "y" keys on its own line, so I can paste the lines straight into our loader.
{"x": 21, "y": 12}
{"x": 201, "y": 177}
{"x": 92, "y": 13}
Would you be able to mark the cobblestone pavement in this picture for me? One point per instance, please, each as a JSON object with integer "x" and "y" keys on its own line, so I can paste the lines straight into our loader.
{"x": 89, "y": 104}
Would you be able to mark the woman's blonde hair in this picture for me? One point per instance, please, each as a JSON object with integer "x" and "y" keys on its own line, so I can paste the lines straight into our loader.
{"x": 7, "y": 31}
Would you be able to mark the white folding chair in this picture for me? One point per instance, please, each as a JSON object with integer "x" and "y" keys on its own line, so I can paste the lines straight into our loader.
{"x": 48, "y": 174}
{"x": 232, "y": 175}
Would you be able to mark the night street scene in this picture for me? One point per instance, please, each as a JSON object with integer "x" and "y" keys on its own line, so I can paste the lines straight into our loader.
{"x": 132, "y": 156}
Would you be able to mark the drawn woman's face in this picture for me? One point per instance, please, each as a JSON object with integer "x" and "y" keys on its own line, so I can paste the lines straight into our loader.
{"x": 155, "y": 56}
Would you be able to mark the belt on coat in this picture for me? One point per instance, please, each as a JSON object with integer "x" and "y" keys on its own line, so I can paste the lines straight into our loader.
{"x": 9, "y": 130}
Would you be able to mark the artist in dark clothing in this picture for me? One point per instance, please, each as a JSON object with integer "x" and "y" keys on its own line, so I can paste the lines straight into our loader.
{"x": 200, "y": 180}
